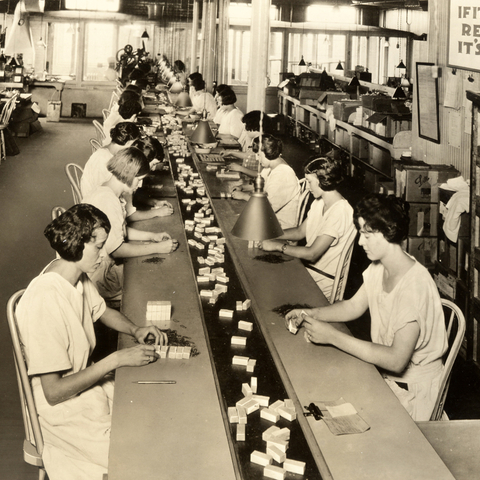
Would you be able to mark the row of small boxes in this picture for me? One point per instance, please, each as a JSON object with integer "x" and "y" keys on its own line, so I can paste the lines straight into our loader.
{"x": 172, "y": 351}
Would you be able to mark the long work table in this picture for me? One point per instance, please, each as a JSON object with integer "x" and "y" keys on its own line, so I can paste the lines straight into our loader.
{"x": 324, "y": 373}
{"x": 182, "y": 430}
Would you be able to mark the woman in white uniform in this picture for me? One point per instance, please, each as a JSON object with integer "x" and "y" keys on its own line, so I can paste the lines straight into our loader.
{"x": 128, "y": 168}
{"x": 55, "y": 316}
{"x": 281, "y": 183}
{"x": 407, "y": 323}
{"x": 327, "y": 227}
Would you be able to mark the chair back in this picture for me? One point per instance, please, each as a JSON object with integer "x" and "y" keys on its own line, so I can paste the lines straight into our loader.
{"x": 8, "y": 108}
{"x": 455, "y": 325}
{"x": 302, "y": 204}
{"x": 33, "y": 443}
{"x": 114, "y": 99}
{"x": 56, "y": 212}
{"x": 95, "y": 144}
{"x": 341, "y": 275}
{"x": 105, "y": 113}
{"x": 303, "y": 184}
{"x": 99, "y": 130}
{"x": 74, "y": 173}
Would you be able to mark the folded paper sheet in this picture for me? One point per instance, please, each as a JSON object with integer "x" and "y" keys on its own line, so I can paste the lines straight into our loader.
{"x": 342, "y": 418}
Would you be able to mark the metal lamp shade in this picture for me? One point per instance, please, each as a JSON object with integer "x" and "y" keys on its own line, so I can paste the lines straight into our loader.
{"x": 258, "y": 220}
{"x": 203, "y": 133}
{"x": 399, "y": 93}
{"x": 354, "y": 82}
{"x": 183, "y": 100}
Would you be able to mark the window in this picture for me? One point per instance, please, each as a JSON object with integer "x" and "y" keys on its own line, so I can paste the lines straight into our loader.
{"x": 244, "y": 11}
{"x": 97, "y": 60}
{"x": 63, "y": 56}
{"x": 97, "y": 5}
{"x": 331, "y": 14}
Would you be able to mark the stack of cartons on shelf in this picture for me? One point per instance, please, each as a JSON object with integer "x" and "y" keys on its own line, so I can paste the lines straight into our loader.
{"x": 418, "y": 183}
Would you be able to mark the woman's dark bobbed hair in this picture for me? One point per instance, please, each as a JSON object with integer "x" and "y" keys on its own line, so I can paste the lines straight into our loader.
{"x": 328, "y": 171}
{"x": 386, "y": 214}
{"x": 69, "y": 232}
{"x": 228, "y": 96}
{"x": 124, "y": 132}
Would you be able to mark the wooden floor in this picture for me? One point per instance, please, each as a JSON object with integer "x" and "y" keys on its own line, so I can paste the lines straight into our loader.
{"x": 34, "y": 181}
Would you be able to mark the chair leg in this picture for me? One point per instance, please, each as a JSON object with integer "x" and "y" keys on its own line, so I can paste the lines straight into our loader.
{"x": 42, "y": 474}
{"x": 3, "y": 152}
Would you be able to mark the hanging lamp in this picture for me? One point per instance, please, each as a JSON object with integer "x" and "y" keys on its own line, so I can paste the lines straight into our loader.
{"x": 203, "y": 133}
{"x": 301, "y": 63}
{"x": 258, "y": 221}
{"x": 339, "y": 66}
{"x": 399, "y": 93}
{"x": 401, "y": 65}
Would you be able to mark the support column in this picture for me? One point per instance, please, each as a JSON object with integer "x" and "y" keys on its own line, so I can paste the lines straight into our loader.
{"x": 259, "y": 45}
{"x": 194, "y": 40}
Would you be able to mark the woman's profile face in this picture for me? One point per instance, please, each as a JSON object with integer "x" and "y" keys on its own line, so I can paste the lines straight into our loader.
{"x": 314, "y": 185}
{"x": 218, "y": 99}
{"x": 94, "y": 251}
{"x": 374, "y": 243}
{"x": 137, "y": 183}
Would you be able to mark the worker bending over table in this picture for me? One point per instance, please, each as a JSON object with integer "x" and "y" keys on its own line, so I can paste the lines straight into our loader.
{"x": 407, "y": 323}
{"x": 95, "y": 173}
{"x": 327, "y": 227}
{"x": 128, "y": 167}
{"x": 55, "y": 316}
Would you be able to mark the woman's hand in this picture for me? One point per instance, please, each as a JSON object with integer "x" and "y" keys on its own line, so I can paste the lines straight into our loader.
{"x": 136, "y": 356}
{"x": 318, "y": 331}
{"x": 160, "y": 237}
{"x": 167, "y": 246}
{"x": 295, "y": 317}
{"x": 237, "y": 194}
{"x": 271, "y": 246}
{"x": 141, "y": 334}
{"x": 163, "y": 211}
{"x": 235, "y": 167}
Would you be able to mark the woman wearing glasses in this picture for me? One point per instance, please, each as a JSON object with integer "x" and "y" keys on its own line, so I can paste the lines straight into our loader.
{"x": 327, "y": 227}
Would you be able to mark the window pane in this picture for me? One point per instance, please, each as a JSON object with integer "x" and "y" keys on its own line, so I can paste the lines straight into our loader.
{"x": 98, "y": 5}
{"x": 64, "y": 55}
{"x": 100, "y": 50}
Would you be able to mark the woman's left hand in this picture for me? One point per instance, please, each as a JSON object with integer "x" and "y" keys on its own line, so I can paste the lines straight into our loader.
{"x": 318, "y": 331}
{"x": 141, "y": 334}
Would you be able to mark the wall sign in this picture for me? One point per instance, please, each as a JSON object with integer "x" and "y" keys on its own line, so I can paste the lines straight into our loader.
{"x": 464, "y": 35}
{"x": 427, "y": 102}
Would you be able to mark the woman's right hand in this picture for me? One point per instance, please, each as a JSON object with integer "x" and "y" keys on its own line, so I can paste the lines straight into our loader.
{"x": 137, "y": 356}
{"x": 167, "y": 246}
{"x": 295, "y": 317}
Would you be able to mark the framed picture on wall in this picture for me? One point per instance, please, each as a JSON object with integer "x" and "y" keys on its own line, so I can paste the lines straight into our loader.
{"x": 463, "y": 50}
{"x": 427, "y": 103}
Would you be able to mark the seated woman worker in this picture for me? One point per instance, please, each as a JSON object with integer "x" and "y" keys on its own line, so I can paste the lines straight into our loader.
{"x": 56, "y": 316}
{"x": 327, "y": 227}
{"x": 407, "y": 323}
{"x": 128, "y": 167}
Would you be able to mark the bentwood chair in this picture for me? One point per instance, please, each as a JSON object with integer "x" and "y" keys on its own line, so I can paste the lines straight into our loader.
{"x": 302, "y": 204}
{"x": 341, "y": 275}
{"x": 8, "y": 108}
{"x": 105, "y": 113}
{"x": 455, "y": 325}
{"x": 113, "y": 100}
{"x": 95, "y": 144}
{"x": 74, "y": 173}
{"x": 33, "y": 442}
{"x": 99, "y": 130}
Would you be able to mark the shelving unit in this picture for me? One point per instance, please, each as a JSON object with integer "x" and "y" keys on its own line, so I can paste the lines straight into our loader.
{"x": 364, "y": 149}
{"x": 473, "y": 318}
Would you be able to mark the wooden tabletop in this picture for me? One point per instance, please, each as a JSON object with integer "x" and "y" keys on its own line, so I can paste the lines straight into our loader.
{"x": 168, "y": 431}
{"x": 322, "y": 373}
